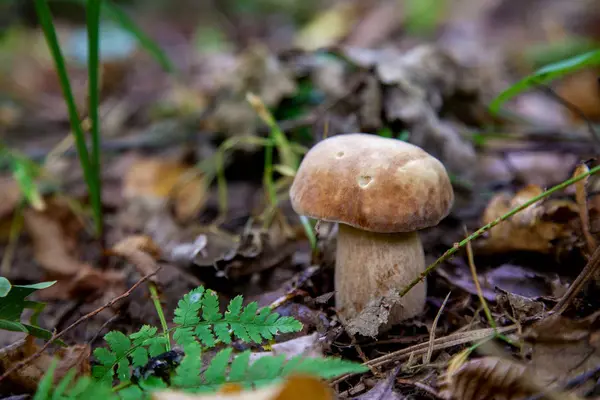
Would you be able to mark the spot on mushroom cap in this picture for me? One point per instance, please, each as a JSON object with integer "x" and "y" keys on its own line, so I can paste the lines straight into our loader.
{"x": 372, "y": 183}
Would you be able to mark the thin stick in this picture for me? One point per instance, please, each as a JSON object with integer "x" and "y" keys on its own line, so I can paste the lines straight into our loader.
{"x": 486, "y": 309}
{"x": 445, "y": 342}
{"x": 495, "y": 222}
{"x": 584, "y": 216}
{"x": 427, "y": 358}
{"x": 57, "y": 336}
{"x": 586, "y": 274}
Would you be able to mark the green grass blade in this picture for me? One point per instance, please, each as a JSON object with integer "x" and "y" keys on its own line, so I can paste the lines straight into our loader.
{"x": 45, "y": 20}
{"x": 546, "y": 74}
{"x": 93, "y": 30}
{"x": 119, "y": 16}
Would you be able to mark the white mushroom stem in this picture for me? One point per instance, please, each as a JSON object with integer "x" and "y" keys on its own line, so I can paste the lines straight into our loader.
{"x": 372, "y": 266}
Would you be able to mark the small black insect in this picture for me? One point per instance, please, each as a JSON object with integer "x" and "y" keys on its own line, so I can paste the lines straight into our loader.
{"x": 160, "y": 366}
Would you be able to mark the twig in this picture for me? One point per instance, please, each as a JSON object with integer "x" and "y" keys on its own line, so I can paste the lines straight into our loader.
{"x": 427, "y": 358}
{"x": 581, "y": 198}
{"x": 495, "y": 222}
{"x": 57, "y": 336}
{"x": 445, "y": 342}
{"x": 473, "y": 269}
{"x": 588, "y": 272}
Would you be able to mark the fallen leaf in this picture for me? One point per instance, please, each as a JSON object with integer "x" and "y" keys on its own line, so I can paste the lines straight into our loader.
{"x": 159, "y": 181}
{"x": 491, "y": 378}
{"x": 139, "y": 250}
{"x": 512, "y": 279}
{"x": 520, "y": 308}
{"x": 10, "y": 195}
{"x": 574, "y": 342}
{"x": 298, "y": 387}
{"x": 544, "y": 227}
{"x": 582, "y": 89}
{"x": 329, "y": 27}
{"x": 73, "y": 357}
{"x": 308, "y": 346}
{"x": 383, "y": 390}
{"x": 54, "y": 252}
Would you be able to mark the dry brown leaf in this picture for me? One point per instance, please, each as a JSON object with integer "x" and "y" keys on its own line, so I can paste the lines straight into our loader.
{"x": 298, "y": 387}
{"x": 489, "y": 378}
{"x": 73, "y": 357}
{"x": 329, "y": 27}
{"x": 582, "y": 90}
{"x": 139, "y": 250}
{"x": 159, "y": 181}
{"x": 10, "y": 195}
{"x": 537, "y": 228}
{"x": 575, "y": 343}
{"x": 54, "y": 251}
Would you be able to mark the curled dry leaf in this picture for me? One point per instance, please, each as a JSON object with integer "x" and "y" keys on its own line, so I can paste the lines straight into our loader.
{"x": 297, "y": 387}
{"x": 139, "y": 250}
{"x": 490, "y": 378}
{"x": 74, "y": 357}
{"x": 543, "y": 227}
{"x": 158, "y": 181}
{"x": 54, "y": 252}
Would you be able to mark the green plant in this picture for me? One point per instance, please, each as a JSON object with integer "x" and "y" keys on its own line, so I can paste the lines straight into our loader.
{"x": 91, "y": 164}
{"x": 13, "y": 301}
{"x": 546, "y": 74}
{"x": 198, "y": 326}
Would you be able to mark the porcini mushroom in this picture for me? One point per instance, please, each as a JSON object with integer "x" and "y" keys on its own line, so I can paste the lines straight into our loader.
{"x": 381, "y": 192}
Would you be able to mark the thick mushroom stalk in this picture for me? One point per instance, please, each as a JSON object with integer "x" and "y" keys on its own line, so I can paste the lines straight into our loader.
{"x": 373, "y": 265}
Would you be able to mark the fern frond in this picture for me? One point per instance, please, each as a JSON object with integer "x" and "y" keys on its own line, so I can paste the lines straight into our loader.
{"x": 245, "y": 323}
{"x": 264, "y": 370}
{"x": 83, "y": 388}
{"x": 126, "y": 352}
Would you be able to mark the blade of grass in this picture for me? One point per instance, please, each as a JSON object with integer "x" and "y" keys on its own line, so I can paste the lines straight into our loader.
{"x": 546, "y": 74}
{"x": 495, "y": 222}
{"x": 45, "y": 20}
{"x": 116, "y": 14}
{"x": 93, "y": 30}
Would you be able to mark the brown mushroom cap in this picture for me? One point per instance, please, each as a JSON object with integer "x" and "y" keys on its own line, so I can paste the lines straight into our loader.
{"x": 372, "y": 183}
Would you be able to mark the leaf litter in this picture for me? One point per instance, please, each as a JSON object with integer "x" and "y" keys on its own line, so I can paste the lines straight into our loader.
{"x": 163, "y": 195}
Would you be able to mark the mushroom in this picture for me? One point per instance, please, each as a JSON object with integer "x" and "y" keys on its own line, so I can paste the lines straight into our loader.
{"x": 381, "y": 192}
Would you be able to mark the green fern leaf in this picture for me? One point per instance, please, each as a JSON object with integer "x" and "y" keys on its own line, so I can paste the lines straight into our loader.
{"x": 118, "y": 342}
{"x": 139, "y": 357}
{"x": 156, "y": 345}
{"x": 234, "y": 309}
{"x": 215, "y": 373}
{"x": 239, "y": 330}
{"x": 325, "y": 368}
{"x": 210, "y": 307}
{"x": 205, "y": 335}
{"x": 186, "y": 313}
{"x": 187, "y": 374}
{"x": 249, "y": 312}
{"x": 239, "y": 367}
{"x": 184, "y": 335}
{"x": 266, "y": 368}
{"x": 145, "y": 333}
{"x": 221, "y": 330}
{"x": 132, "y": 392}
{"x": 105, "y": 356}
{"x": 123, "y": 370}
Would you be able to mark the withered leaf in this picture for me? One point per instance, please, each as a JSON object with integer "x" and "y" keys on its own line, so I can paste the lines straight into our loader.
{"x": 537, "y": 228}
